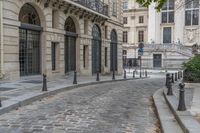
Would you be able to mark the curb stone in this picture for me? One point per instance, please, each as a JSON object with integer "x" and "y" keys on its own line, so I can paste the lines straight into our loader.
{"x": 166, "y": 118}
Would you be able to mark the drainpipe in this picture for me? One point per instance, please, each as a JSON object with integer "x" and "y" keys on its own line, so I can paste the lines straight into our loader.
{"x": 1, "y": 38}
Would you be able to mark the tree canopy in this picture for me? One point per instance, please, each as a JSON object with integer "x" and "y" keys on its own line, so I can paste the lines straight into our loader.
{"x": 146, "y": 3}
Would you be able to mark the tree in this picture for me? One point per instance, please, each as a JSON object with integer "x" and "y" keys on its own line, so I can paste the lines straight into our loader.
{"x": 146, "y": 3}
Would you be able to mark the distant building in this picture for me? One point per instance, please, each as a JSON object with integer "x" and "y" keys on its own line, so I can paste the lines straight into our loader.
{"x": 172, "y": 32}
{"x": 135, "y": 20}
{"x": 57, "y": 37}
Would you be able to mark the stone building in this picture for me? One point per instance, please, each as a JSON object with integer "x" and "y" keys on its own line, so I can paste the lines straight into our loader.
{"x": 172, "y": 33}
{"x": 135, "y": 20}
{"x": 56, "y": 37}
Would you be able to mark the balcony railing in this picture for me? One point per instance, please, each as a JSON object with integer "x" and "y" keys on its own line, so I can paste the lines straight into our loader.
{"x": 95, "y": 5}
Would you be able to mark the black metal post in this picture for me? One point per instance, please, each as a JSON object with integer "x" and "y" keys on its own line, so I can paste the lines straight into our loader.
{"x": 140, "y": 66}
{"x": 172, "y": 78}
{"x": 0, "y": 103}
{"x": 169, "y": 85}
{"x": 176, "y": 78}
{"x": 178, "y": 74}
{"x": 44, "y": 88}
{"x": 124, "y": 74}
{"x": 167, "y": 75}
{"x": 146, "y": 74}
{"x": 75, "y": 78}
{"x": 181, "y": 74}
{"x": 181, "y": 105}
{"x": 98, "y": 76}
{"x": 133, "y": 74}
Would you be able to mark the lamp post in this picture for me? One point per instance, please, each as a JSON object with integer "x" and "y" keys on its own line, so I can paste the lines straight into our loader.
{"x": 140, "y": 53}
{"x": 140, "y": 58}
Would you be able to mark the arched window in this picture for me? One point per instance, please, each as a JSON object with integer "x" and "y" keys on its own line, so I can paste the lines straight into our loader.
{"x": 96, "y": 33}
{"x": 29, "y": 15}
{"x": 70, "y": 25}
{"x": 29, "y": 41}
{"x": 96, "y": 49}
{"x": 113, "y": 50}
{"x": 70, "y": 45}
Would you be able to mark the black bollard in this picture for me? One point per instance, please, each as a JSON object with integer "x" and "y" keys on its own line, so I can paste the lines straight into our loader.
{"x": 0, "y": 103}
{"x": 181, "y": 105}
{"x": 97, "y": 79}
{"x": 172, "y": 78}
{"x": 181, "y": 74}
{"x": 133, "y": 74}
{"x": 75, "y": 79}
{"x": 146, "y": 74}
{"x": 113, "y": 75}
{"x": 167, "y": 78}
{"x": 44, "y": 88}
{"x": 169, "y": 85}
{"x": 178, "y": 74}
{"x": 124, "y": 74}
{"x": 176, "y": 78}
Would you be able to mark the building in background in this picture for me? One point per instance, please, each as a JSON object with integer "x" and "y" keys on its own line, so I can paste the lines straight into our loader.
{"x": 135, "y": 20}
{"x": 57, "y": 37}
{"x": 172, "y": 33}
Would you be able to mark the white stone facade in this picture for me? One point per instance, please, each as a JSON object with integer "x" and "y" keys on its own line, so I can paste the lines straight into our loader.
{"x": 9, "y": 27}
{"x": 132, "y": 12}
{"x": 182, "y": 38}
{"x": 186, "y": 35}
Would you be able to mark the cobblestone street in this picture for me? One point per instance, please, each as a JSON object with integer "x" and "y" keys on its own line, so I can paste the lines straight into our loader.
{"x": 118, "y": 107}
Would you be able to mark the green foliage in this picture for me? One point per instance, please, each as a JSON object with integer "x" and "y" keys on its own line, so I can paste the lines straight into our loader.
{"x": 192, "y": 70}
{"x": 146, "y": 3}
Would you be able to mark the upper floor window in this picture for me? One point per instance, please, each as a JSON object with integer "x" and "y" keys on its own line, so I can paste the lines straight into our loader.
{"x": 114, "y": 7}
{"x": 125, "y": 36}
{"x": 141, "y": 36}
{"x": 191, "y": 12}
{"x": 141, "y": 19}
{"x": 168, "y": 12}
{"x": 125, "y": 5}
{"x": 125, "y": 20}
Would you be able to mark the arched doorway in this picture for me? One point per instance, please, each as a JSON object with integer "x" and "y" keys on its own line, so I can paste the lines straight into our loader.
{"x": 113, "y": 50}
{"x": 29, "y": 41}
{"x": 96, "y": 49}
{"x": 70, "y": 45}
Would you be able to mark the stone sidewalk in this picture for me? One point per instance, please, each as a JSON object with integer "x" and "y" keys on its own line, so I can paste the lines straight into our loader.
{"x": 27, "y": 90}
{"x": 188, "y": 120}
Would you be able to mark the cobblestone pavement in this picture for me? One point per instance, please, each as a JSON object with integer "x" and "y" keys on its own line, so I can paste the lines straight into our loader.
{"x": 119, "y": 107}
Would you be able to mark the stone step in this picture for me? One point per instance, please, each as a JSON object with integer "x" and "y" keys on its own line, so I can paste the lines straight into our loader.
{"x": 166, "y": 117}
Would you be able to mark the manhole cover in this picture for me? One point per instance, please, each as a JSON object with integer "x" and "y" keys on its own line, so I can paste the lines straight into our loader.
{"x": 32, "y": 81}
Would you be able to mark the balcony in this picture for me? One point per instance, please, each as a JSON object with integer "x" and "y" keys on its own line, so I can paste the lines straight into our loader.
{"x": 95, "y": 5}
